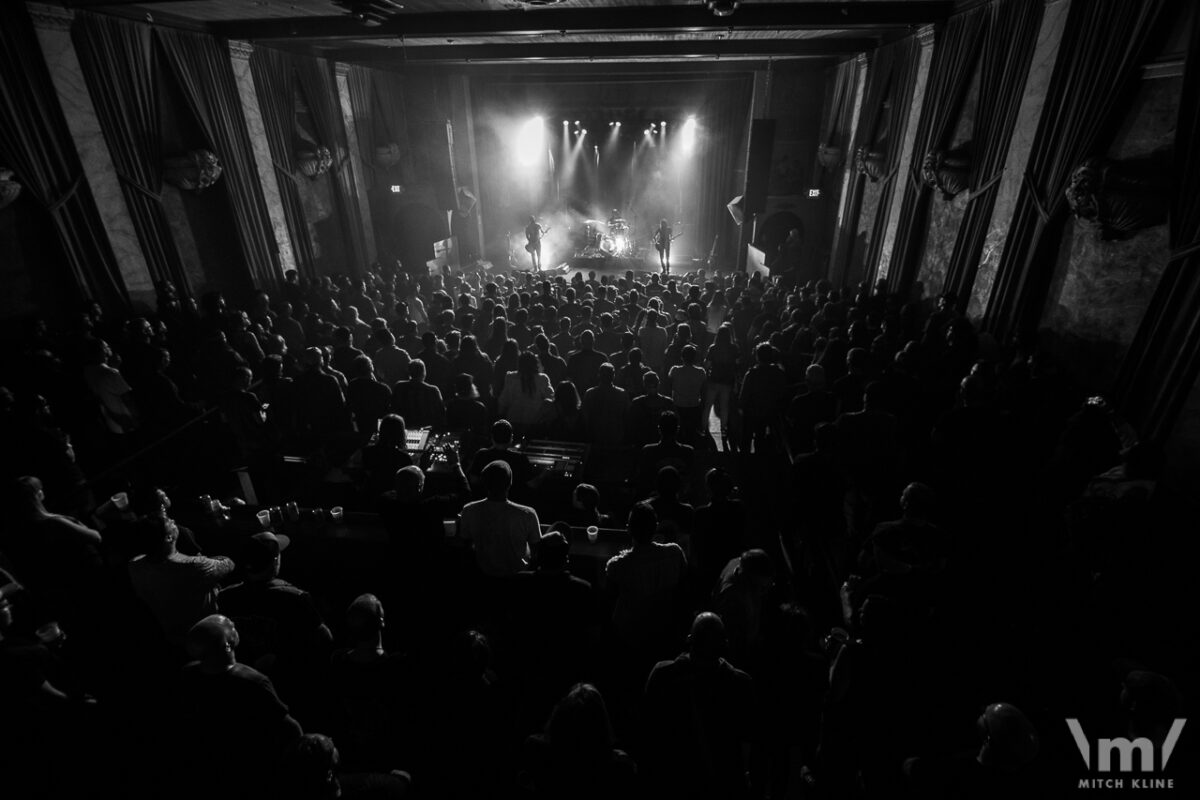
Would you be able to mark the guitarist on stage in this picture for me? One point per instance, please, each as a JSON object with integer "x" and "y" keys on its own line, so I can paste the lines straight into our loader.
{"x": 662, "y": 242}
{"x": 533, "y": 235}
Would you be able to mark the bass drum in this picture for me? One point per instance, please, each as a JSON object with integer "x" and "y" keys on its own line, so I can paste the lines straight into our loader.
{"x": 608, "y": 245}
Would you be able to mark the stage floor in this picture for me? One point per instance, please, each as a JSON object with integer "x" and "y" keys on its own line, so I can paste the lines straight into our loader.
{"x": 619, "y": 265}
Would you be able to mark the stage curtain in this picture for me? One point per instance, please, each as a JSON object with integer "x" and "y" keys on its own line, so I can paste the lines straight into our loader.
{"x": 1009, "y": 40}
{"x": 887, "y": 65}
{"x": 359, "y": 79}
{"x": 890, "y": 130}
{"x": 275, "y": 83}
{"x": 315, "y": 78}
{"x": 724, "y": 118}
{"x": 204, "y": 71}
{"x": 119, "y": 63}
{"x": 955, "y": 55}
{"x": 836, "y": 131}
{"x": 1163, "y": 362}
{"x": 1098, "y": 61}
{"x": 36, "y": 144}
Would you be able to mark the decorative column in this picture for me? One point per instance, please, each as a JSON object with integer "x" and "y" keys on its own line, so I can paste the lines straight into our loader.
{"x": 1045, "y": 56}
{"x": 356, "y": 165}
{"x": 239, "y": 54}
{"x": 900, "y": 186}
{"x": 53, "y": 24}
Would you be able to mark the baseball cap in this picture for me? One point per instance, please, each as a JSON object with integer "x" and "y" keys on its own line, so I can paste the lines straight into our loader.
{"x": 262, "y": 548}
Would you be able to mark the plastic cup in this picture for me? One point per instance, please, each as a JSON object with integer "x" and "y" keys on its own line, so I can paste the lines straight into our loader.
{"x": 120, "y": 501}
{"x": 264, "y": 518}
{"x": 335, "y": 513}
{"x": 593, "y": 533}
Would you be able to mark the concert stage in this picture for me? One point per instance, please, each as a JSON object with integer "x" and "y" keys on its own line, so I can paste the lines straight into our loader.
{"x": 619, "y": 265}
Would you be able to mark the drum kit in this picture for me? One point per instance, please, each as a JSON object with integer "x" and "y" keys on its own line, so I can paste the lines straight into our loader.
{"x": 613, "y": 237}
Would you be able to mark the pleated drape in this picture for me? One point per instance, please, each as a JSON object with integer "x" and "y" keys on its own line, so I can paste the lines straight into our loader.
{"x": 721, "y": 124}
{"x": 316, "y": 80}
{"x": 836, "y": 130}
{"x": 889, "y": 65}
{"x": 1099, "y": 57}
{"x": 204, "y": 71}
{"x": 36, "y": 144}
{"x": 119, "y": 62}
{"x": 1009, "y": 41}
{"x": 1163, "y": 362}
{"x": 275, "y": 84}
{"x": 955, "y": 55}
{"x": 359, "y": 80}
{"x": 891, "y": 123}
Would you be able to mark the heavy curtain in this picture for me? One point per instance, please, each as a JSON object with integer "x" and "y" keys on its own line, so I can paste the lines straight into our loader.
{"x": 889, "y": 138}
{"x": 1163, "y": 362}
{"x": 359, "y": 80}
{"x": 316, "y": 80}
{"x": 721, "y": 124}
{"x": 204, "y": 71}
{"x": 36, "y": 144}
{"x": 1099, "y": 56}
{"x": 275, "y": 84}
{"x": 955, "y": 54}
{"x": 836, "y": 131}
{"x": 887, "y": 65}
{"x": 119, "y": 62}
{"x": 1009, "y": 40}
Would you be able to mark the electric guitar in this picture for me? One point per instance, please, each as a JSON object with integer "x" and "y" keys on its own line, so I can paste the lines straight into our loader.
{"x": 662, "y": 245}
{"x": 535, "y": 241}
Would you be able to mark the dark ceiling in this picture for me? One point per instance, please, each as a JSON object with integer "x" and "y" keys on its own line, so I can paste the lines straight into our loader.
{"x": 470, "y": 33}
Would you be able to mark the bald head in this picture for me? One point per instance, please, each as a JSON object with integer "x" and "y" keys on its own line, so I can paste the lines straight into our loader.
{"x": 212, "y": 641}
{"x": 707, "y": 639}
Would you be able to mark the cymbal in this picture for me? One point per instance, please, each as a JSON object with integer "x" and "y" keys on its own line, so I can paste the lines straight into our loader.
{"x": 594, "y": 222}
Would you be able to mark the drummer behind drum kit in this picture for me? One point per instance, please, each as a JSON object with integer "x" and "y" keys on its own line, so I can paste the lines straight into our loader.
{"x": 611, "y": 238}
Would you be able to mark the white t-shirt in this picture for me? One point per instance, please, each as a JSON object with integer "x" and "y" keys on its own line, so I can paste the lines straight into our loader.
{"x": 502, "y": 533}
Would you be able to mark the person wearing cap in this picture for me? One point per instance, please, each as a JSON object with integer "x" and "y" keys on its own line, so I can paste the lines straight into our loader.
{"x": 178, "y": 589}
{"x": 503, "y": 533}
{"x": 235, "y": 728}
{"x": 699, "y": 712}
{"x": 275, "y": 618}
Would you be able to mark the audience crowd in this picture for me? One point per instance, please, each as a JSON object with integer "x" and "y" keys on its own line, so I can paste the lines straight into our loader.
{"x": 856, "y": 548}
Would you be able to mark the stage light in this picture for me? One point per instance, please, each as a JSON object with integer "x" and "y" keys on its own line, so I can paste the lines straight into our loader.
{"x": 663, "y": 123}
{"x": 585, "y": 131}
{"x": 689, "y": 135}
{"x": 531, "y": 141}
{"x": 646, "y": 132}
{"x": 618, "y": 123}
{"x": 619, "y": 241}
{"x": 576, "y": 122}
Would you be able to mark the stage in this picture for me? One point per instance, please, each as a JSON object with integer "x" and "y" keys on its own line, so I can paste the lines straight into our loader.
{"x": 618, "y": 265}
